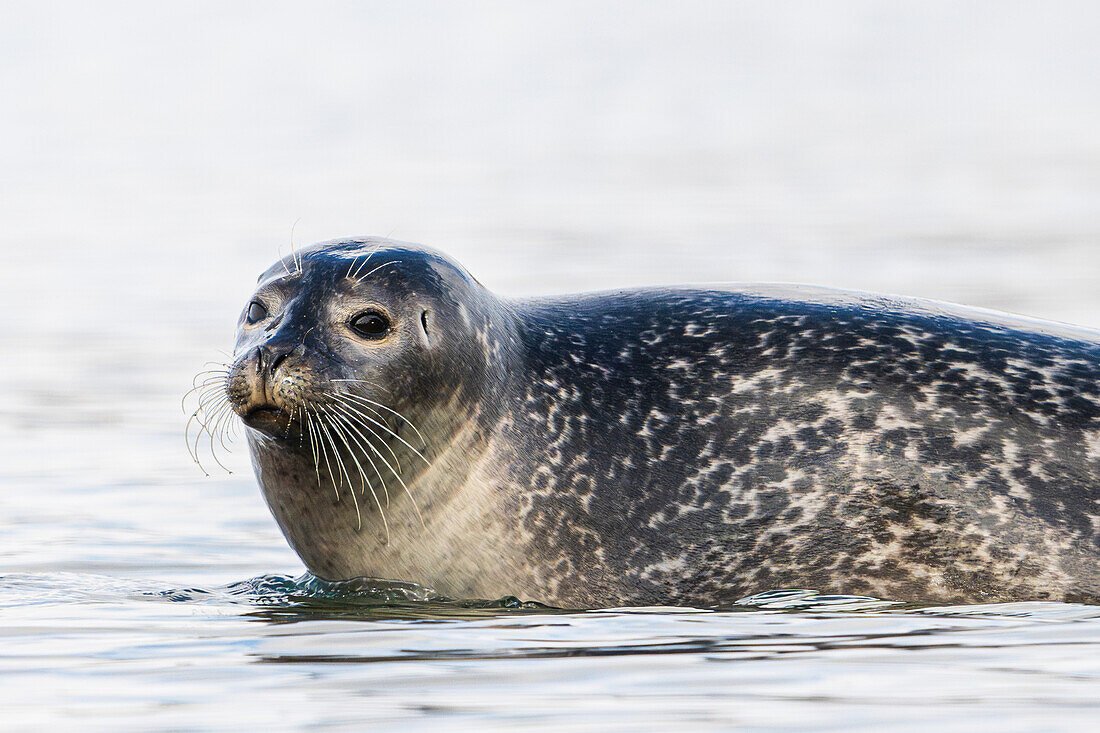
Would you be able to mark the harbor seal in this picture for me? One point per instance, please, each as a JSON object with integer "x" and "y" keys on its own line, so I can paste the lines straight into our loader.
{"x": 686, "y": 445}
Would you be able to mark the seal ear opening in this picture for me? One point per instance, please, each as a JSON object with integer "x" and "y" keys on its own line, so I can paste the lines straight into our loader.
{"x": 424, "y": 316}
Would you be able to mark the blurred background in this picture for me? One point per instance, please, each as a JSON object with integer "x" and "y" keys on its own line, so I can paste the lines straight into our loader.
{"x": 154, "y": 158}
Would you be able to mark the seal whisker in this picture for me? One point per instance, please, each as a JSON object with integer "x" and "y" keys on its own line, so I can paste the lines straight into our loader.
{"x": 352, "y": 267}
{"x": 226, "y": 407}
{"x": 203, "y": 386}
{"x": 211, "y": 384}
{"x": 367, "y": 413}
{"x": 223, "y": 412}
{"x": 324, "y": 453}
{"x": 223, "y": 370}
{"x": 201, "y": 416}
{"x": 212, "y": 395}
{"x": 340, "y": 470}
{"x": 375, "y": 406}
{"x": 224, "y": 436}
{"x": 312, "y": 443}
{"x": 207, "y": 410}
{"x": 394, "y": 434}
{"x": 293, "y": 255}
{"x": 187, "y": 442}
{"x": 350, "y": 427}
{"x": 212, "y": 412}
{"x": 302, "y": 431}
{"x": 353, "y": 419}
{"x": 195, "y": 416}
{"x": 214, "y": 383}
{"x": 362, "y": 381}
{"x": 195, "y": 447}
{"x": 343, "y": 469}
{"x": 338, "y": 430}
{"x": 282, "y": 260}
{"x": 396, "y": 475}
{"x": 351, "y": 410}
{"x": 369, "y": 255}
{"x": 217, "y": 375}
{"x": 355, "y": 431}
{"x": 210, "y": 409}
{"x": 294, "y": 412}
{"x": 364, "y": 277}
{"x": 365, "y": 482}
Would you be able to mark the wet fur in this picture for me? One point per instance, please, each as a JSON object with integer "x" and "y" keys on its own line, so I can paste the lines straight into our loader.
{"x": 697, "y": 445}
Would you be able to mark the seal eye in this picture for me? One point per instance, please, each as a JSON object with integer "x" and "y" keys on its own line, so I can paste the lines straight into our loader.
{"x": 371, "y": 324}
{"x": 256, "y": 312}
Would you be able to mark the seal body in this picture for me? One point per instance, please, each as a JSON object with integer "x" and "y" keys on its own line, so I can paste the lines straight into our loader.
{"x": 681, "y": 445}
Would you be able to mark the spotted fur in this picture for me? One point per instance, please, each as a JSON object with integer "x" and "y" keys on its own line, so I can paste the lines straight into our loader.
{"x": 697, "y": 445}
{"x": 700, "y": 445}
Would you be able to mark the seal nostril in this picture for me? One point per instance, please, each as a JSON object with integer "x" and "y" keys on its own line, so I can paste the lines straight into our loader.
{"x": 267, "y": 360}
{"x": 279, "y": 359}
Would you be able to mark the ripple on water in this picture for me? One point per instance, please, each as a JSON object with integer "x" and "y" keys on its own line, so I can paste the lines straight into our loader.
{"x": 279, "y": 646}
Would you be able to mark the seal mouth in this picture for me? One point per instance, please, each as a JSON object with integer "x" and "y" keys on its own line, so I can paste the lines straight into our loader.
{"x": 266, "y": 418}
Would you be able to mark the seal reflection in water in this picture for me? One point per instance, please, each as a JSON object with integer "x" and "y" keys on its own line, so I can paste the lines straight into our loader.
{"x": 665, "y": 446}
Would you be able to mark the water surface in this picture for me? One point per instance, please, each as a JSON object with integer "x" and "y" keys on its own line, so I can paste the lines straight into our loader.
{"x": 277, "y": 652}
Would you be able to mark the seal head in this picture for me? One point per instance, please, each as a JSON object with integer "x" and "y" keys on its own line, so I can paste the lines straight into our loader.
{"x": 359, "y": 365}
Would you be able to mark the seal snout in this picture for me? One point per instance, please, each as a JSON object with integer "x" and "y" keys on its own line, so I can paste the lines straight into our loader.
{"x": 268, "y": 360}
{"x": 261, "y": 389}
